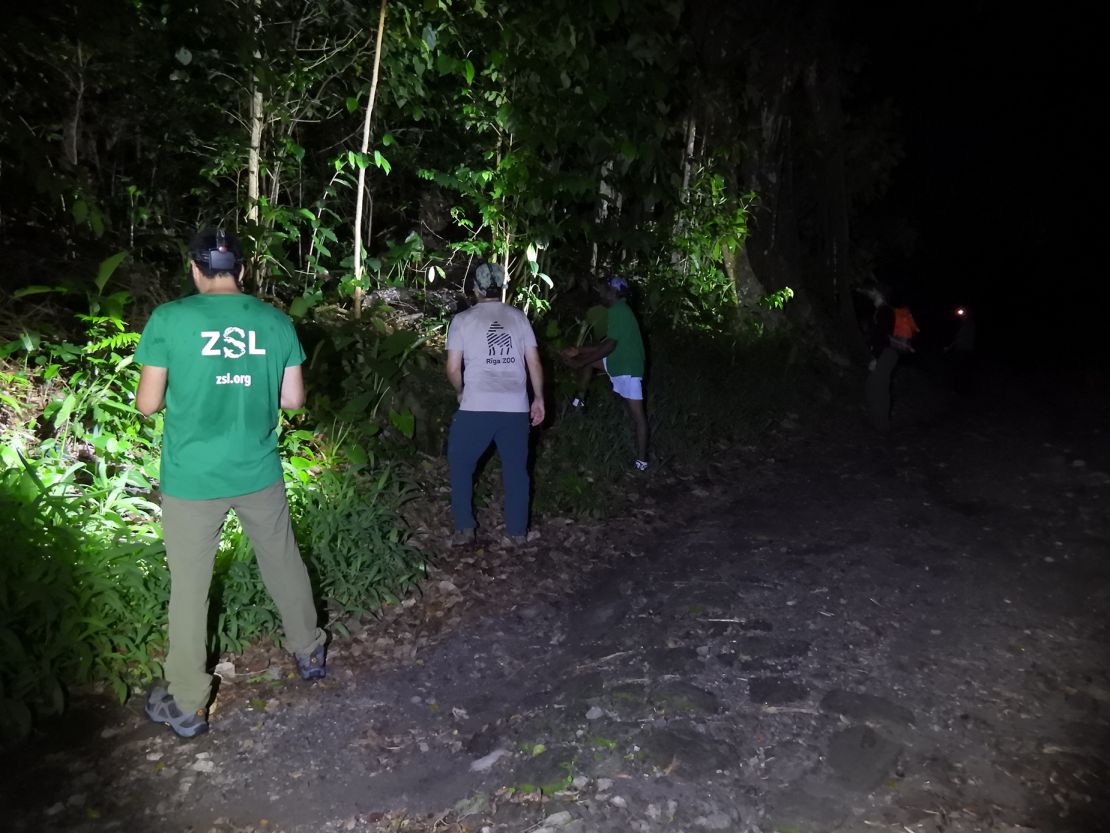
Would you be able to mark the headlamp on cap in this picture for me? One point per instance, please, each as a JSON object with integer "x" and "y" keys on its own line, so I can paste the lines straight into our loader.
{"x": 215, "y": 252}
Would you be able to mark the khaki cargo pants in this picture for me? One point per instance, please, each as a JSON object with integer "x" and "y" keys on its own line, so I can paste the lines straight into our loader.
{"x": 192, "y": 533}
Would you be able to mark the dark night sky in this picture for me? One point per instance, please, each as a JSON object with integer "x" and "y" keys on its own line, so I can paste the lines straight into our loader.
{"x": 1003, "y": 173}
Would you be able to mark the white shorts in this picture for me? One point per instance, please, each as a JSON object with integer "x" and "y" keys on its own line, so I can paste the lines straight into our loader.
{"x": 627, "y": 387}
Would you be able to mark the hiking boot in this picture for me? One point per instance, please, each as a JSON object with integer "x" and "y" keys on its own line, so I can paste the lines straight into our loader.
{"x": 313, "y": 667}
{"x": 462, "y": 537}
{"x": 511, "y": 542}
{"x": 161, "y": 708}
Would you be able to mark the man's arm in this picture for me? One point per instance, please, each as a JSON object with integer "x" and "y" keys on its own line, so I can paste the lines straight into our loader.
{"x": 593, "y": 353}
{"x": 151, "y": 395}
{"x": 455, "y": 371}
{"x": 535, "y": 378}
{"x": 292, "y": 388}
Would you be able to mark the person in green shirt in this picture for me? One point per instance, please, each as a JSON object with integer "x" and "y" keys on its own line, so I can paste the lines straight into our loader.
{"x": 621, "y": 355}
{"x": 222, "y": 364}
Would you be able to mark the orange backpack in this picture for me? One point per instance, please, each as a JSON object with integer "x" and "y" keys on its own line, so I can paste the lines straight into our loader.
{"x": 905, "y": 328}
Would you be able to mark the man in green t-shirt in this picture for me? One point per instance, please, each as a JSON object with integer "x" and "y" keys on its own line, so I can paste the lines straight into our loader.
{"x": 222, "y": 364}
{"x": 621, "y": 355}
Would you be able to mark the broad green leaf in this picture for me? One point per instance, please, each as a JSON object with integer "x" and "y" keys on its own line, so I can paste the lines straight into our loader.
{"x": 107, "y": 268}
{"x": 37, "y": 290}
{"x": 404, "y": 422}
{"x": 531, "y": 253}
{"x": 445, "y": 64}
{"x": 356, "y": 454}
{"x": 66, "y": 409}
{"x": 184, "y": 56}
{"x": 352, "y": 104}
{"x": 299, "y": 308}
{"x": 468, "y": 70}
{"x": 381, "y": 162}
{"x": 429, "y": 37}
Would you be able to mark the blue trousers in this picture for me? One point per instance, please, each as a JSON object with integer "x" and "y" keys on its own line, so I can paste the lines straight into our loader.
{"x": 470, "y": 435}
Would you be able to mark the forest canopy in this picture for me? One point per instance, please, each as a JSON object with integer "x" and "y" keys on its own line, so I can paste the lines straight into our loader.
{"x": 648, "y": 136}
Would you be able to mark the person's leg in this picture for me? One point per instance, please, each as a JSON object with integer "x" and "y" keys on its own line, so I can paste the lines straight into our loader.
{"x": 639, "y": 426}
{"x": 511, "y": 437}
{"x": 265, "y": 518}
{"x": 878, "y": 389}
{"x": 191, "y": 530}
{"x": 582, "y": 382}
{"x": 631, "y": 390}
{"x": 470, "y": 435}
{"x": 583, "y": 378}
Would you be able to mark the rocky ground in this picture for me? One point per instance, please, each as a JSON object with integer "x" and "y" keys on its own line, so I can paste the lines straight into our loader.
{"x": 828, "y": 632}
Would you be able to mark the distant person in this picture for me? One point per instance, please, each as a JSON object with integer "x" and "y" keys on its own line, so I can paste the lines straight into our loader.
{"x": 621, "y": 355}
{"x": 492, "y": 357}
{"x": 961, "y": 351}
{"x": 891, "y": 331}
{"x": 222, "y": 364}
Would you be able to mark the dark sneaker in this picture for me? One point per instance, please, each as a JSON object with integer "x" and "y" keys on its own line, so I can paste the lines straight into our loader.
{"x": 462, "y": 537}
{"x": 161, "y": 708}
{"x": 312, "y": 667}
{"x": 510, "y": 542}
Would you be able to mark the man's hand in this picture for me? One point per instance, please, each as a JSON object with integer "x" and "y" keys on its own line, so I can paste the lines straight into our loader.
{"x": 535, "y": 378}
{"x": 569, "y": 354}
{"x": 537, "y": 412}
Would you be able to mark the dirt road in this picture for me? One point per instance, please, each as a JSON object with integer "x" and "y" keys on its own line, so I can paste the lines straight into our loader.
{"x": 830, "y": 632}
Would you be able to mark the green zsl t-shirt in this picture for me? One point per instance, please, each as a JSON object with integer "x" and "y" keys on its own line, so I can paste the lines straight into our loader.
{"x": 627, "y": 358}
{"x": 225, "y": 356}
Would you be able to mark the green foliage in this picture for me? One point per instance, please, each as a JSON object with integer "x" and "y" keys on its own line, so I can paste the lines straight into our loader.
{"x": 80, "y": 601}
{"x": 349, "y": 525}
{"x": 777, "y": 300}
{"x": 689, "y": 284}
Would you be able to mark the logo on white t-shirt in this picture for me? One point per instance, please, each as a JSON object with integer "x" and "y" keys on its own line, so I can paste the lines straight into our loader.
{"x": 498, "y": 340}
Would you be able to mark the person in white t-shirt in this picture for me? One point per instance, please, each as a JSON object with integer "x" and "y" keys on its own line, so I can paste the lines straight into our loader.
{"x": 491, "y": 359}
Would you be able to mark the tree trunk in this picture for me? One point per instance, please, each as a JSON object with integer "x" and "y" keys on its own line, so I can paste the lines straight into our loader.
{"x": 254, "y": 159}
{"x": 362, "y": 169}
{"x": 72, "y": 129}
